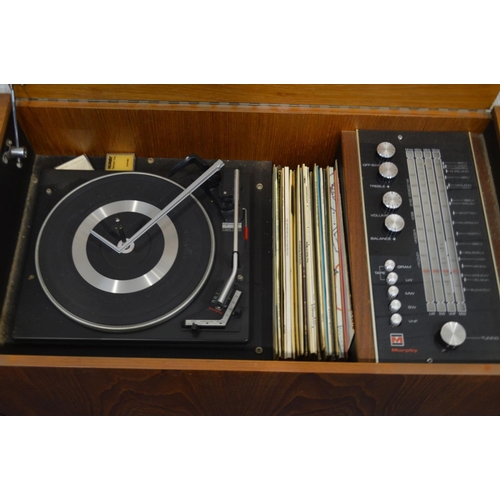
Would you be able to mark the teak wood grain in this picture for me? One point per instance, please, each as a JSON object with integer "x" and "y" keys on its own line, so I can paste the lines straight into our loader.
{"x": 489, "y": 195}
{"x": 356, "y": 244}
{"x": 286, "y": 136}
{"x": 4, "y": 113}
{"x": 188, "y": 387}
{"x": 495, "y": 115}
{"x": 401, "y": 96}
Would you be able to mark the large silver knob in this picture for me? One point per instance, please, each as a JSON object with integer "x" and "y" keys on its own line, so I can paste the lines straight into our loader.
{"x": 394, "y": 223}
{"x": 452, "y": 334}
{"x": 392, "y": 200}
{"x": 386, "y": 150}
{"x": 388, "y": 170}
{"x": 392, "y": 292}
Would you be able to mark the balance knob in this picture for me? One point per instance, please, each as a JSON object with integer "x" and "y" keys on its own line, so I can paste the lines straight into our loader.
{"x": 392, "y": 200}
{"x": 386, "y": 150}
{"x": 394, "y": 223}
{"x": 388, "y": 170}
{"x": 452, "y": 334}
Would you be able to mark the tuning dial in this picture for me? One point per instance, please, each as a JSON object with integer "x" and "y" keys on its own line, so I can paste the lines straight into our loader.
{"x": 388, "y": 170}
{"x": 394, "y": 223}
{"x": 392, "y": 200}
{"x": 386, "y": 150}
{"x": 452, "y": 334}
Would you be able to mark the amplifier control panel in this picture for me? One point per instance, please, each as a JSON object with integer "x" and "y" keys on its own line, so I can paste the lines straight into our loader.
{"x": 434, "y": 285}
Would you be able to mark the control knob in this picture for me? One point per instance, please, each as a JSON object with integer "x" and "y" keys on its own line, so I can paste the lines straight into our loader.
{"x": 452, "y": 334}
{"x": 388, "y": 170}
{"x": 392, "y": 200}
{"x": 394, "y": 223}
{"x": 386, "y": 150}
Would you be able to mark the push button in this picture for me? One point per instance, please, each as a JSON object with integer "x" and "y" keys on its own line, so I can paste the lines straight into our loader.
{"x": 396, "y": 319}
{"x": 391, "y": 279}
{"x": 389, "y": 265}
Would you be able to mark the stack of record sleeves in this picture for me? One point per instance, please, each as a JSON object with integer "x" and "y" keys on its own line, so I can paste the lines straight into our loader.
{"x": 312, "y": 305}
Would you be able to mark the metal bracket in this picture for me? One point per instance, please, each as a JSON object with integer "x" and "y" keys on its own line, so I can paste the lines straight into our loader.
{"x": 14, "y": 151}
{"x": 216, "y": 323}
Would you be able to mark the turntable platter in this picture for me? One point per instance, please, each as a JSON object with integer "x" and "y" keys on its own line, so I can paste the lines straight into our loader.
{"x": 151, "y": 280}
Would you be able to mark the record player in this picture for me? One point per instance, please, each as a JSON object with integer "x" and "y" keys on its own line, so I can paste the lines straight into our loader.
{"x": 173, "y": 259}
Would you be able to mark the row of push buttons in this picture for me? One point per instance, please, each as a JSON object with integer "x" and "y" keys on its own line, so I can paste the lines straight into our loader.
{"x": 393, "y": 291}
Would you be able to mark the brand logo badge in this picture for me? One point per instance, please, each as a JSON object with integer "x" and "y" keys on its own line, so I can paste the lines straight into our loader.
{"x": 397, "y": 340}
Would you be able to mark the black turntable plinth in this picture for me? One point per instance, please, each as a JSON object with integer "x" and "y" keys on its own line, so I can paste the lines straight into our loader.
{"x": 134, "y": 263}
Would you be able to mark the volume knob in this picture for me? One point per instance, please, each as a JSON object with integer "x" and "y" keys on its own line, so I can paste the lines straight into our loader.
{"x": 392, "y": 200}
{"x": 386, "y": 150}
{"x": 452, "y": 334}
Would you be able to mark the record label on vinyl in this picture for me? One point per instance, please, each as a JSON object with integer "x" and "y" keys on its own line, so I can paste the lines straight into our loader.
{"x": 151, "y": 279}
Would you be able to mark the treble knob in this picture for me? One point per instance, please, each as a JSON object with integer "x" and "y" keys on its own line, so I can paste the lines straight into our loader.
{"x": 388, "y": 170}
{"x": 452, "y": 334}
{"x": 386, "y": 150}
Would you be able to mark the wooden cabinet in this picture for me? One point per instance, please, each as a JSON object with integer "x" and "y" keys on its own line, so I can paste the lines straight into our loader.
{"x": 287, "y": 125}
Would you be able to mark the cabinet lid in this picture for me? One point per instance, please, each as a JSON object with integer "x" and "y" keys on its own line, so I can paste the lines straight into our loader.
{"x": 429, "y": 96}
